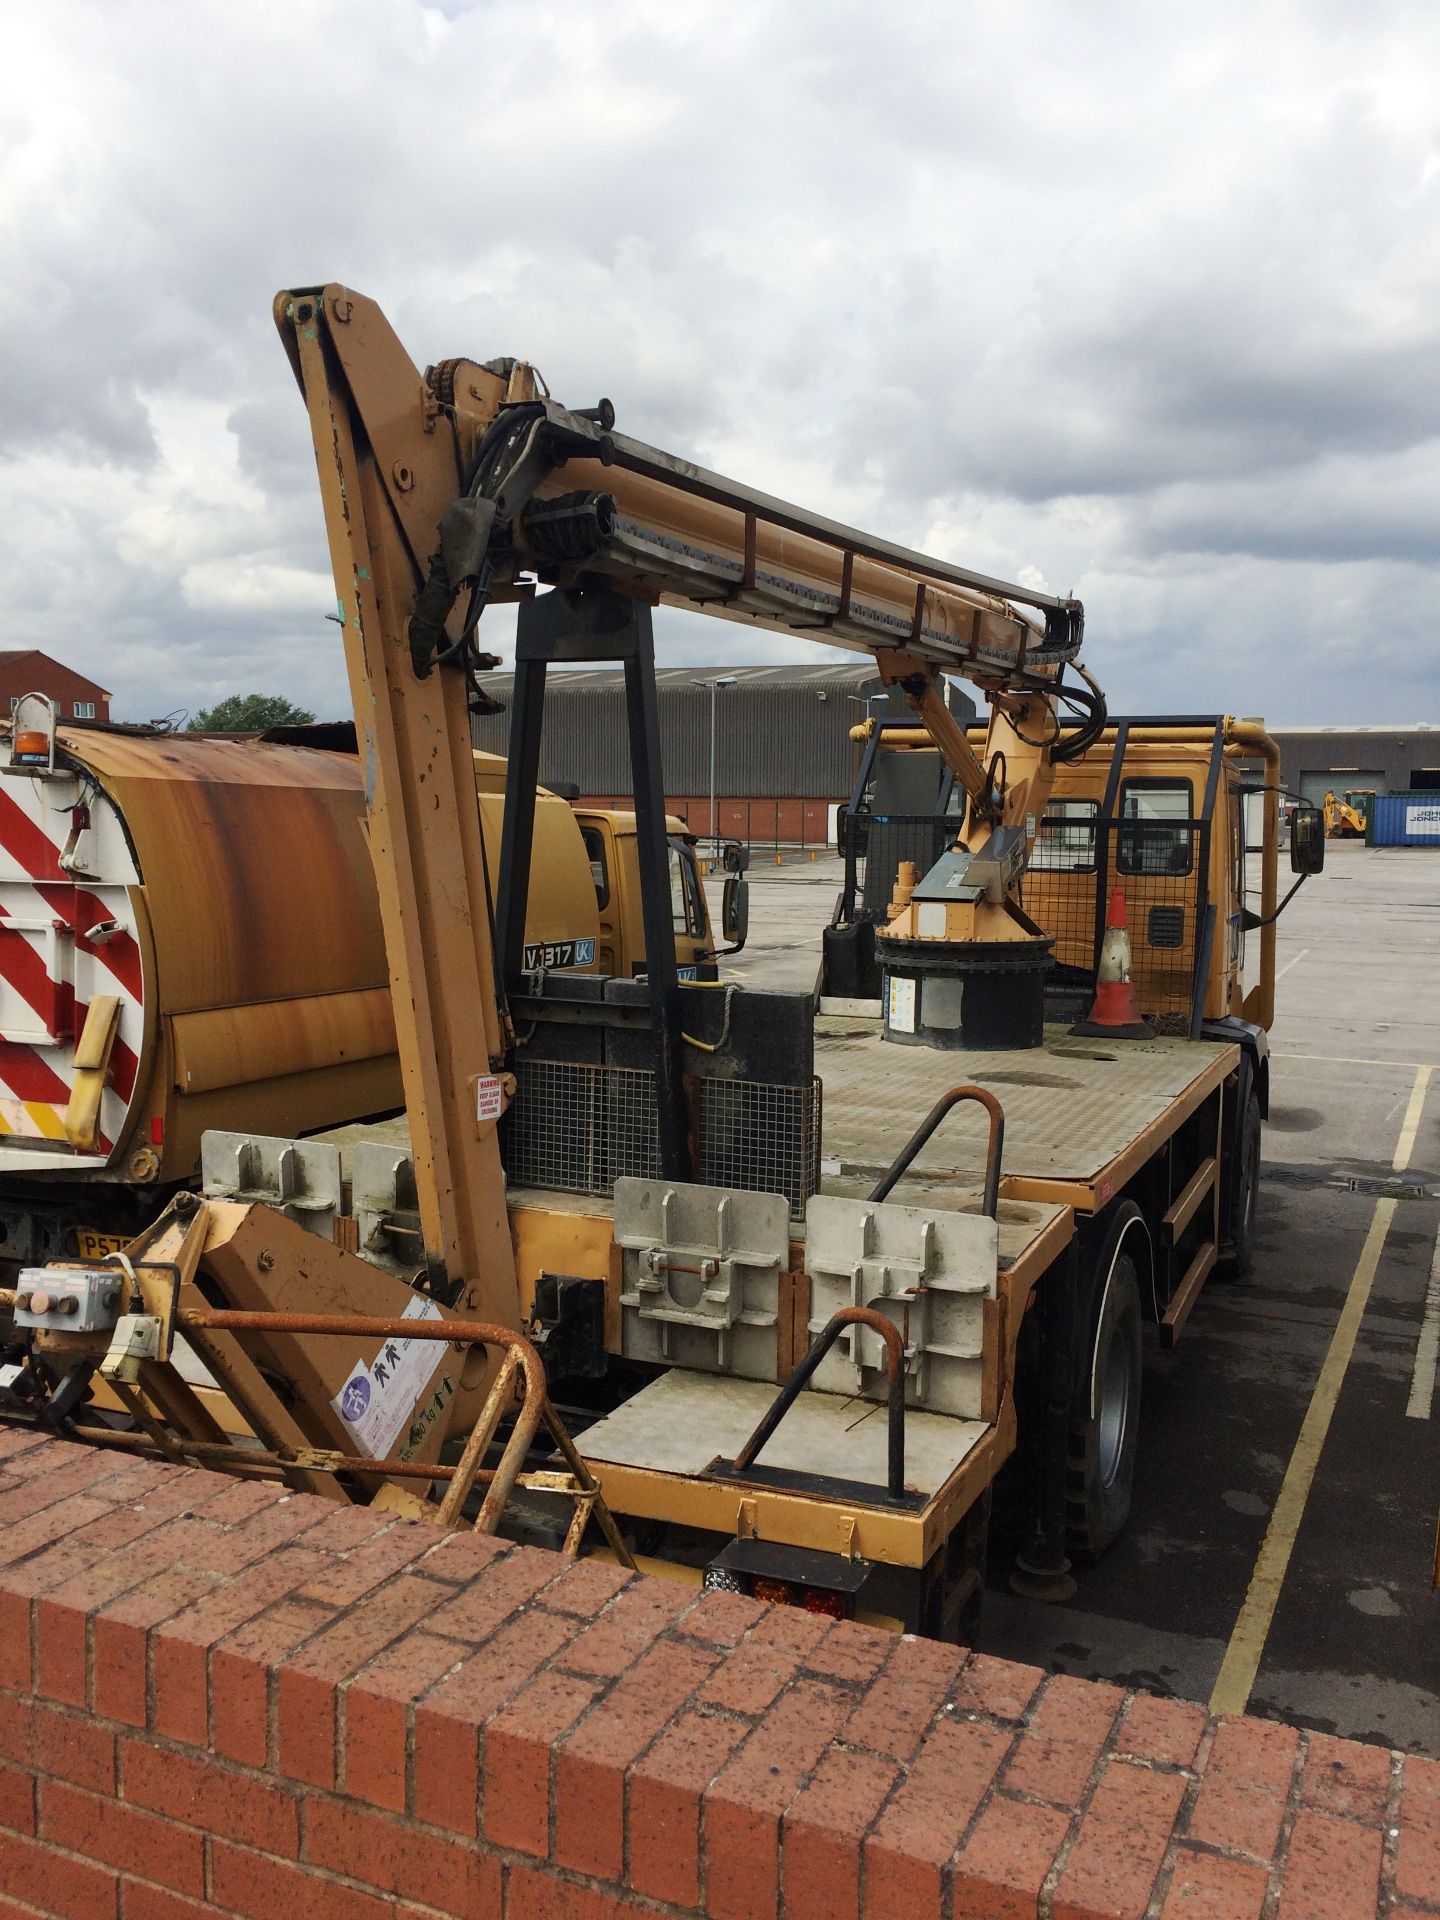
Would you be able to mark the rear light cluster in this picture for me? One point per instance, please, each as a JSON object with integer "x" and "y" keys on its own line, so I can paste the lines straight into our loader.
{"x": 824, "y": 1583}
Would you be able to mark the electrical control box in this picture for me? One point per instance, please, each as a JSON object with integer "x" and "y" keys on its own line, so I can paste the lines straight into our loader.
{"x": 69, "y": 1299}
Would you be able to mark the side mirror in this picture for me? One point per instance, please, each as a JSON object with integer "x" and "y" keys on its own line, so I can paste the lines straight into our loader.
{"x": 734, "y": 857}
{"x": 735, "y": 910}
{"x": 842, "y": 814}
{"x": 1307, "y": 839}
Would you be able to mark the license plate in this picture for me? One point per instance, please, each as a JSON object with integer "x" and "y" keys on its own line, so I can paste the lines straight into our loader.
{"x": 90, "y": 1245}
{"x": 559, "y": 953}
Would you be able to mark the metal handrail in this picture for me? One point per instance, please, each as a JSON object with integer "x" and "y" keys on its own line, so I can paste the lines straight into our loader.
{"x": 895, "y": 1372}
{"x": 994, "y": 1149}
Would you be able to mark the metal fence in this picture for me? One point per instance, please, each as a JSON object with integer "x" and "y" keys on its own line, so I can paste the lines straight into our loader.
{"x": 1159, "y": 866}
{"x": 577, "y": 1128}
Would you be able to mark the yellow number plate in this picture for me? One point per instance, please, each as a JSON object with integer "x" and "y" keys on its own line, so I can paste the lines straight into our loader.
{"x": 90, "y": 1245}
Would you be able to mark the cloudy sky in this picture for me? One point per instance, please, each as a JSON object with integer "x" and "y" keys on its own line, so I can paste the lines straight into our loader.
{"x": 1132, "y": 300}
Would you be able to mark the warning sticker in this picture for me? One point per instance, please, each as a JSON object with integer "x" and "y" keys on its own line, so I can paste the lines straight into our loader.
{"x": 377, "y": 1401}
{"x": 900, "y": 1013}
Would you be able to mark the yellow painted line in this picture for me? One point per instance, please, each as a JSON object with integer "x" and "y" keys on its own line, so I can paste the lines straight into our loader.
{"x": 1252, "y": 1628}
{"x": 1247, "y": 1643}
{"x": 1353, "y": 1060}
{"x": 1410, "y": 1125}
{"x": 1427, "y": 1347}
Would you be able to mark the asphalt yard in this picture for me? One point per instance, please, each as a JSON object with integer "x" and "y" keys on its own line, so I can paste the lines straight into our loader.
{"x": 1282, "y": 1538}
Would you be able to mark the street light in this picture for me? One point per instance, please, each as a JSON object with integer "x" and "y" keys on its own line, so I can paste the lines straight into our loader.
{"x": 725, "y": 680}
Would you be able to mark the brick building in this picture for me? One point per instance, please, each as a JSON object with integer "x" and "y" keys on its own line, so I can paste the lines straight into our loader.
{"x": 27, "y": 670}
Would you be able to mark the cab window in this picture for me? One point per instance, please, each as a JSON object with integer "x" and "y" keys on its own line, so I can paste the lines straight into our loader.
{"x": 1154, "y": 827}
{"x": 687, "y": 907}
{"x": 1066, "y": 840}
{"x": 595, "y": 853}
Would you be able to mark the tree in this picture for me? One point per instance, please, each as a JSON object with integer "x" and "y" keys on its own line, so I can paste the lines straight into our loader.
{"x": 249, "y": 713}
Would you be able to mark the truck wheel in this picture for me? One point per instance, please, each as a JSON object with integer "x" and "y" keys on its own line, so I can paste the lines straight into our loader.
{"x": 1101, "y": 1467}
{"x": 1239, "y": 1239}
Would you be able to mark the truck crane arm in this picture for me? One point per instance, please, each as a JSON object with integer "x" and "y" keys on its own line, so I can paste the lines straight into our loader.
{"x": 470, "y": 485}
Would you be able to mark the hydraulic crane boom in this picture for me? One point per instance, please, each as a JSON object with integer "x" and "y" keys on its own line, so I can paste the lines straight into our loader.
{"x": 470, "y": 485}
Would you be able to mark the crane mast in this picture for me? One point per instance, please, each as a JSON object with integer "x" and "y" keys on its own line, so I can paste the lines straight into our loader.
{"x": 469, "y": 485}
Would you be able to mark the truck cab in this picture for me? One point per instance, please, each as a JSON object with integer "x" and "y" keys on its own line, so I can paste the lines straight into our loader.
{"x": 612, "y": 850}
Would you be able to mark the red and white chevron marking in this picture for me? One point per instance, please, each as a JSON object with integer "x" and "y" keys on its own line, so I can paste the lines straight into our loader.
{"x": 50, "y": 966}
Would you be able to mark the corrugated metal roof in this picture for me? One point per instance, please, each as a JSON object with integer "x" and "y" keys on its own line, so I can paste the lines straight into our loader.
{"x": 781, "y": 731}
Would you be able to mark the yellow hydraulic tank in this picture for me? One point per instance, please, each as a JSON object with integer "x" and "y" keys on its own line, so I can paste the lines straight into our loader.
{"x": 207, "y": 905}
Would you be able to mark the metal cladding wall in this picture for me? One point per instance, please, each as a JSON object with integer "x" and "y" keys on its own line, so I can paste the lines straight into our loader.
{"x": 1390, "y": 759}
{"x": 780, "y": 731}
{"x": 1405, "y": 820}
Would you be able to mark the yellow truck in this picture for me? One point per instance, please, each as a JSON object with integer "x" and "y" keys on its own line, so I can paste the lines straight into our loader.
{"x": 803, "y": 1281}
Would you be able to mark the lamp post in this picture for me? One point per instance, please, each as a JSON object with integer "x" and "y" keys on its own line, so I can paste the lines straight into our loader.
{"x": 724, "y": 680}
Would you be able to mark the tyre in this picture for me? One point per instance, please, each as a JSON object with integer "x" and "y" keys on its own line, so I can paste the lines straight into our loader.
{"x": 1238, "y": 1237}
{"x": 1101, "y": 1460}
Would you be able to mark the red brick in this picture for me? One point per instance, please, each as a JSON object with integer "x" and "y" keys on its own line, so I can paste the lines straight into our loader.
{"x": 83, "y": 1471}
{"x": 234, "y": 1502}
{"x": 1207, "y": 1886}
{"x": 744, "y": 1803}
{"x": 536, "y": 1896}
{"x": 919, "y": 1830}
{"x": 794, "y": 1628}
{"x": 1004, "y": 1864}
{"x": 346, "y": 1527}
{"x": 585, "y": 1587}
{"x": 848, "y": 1653}
{"x": 614, "y": 1642}
{"x": 665, "y": 1790}
{"x": 59, "y": 1887}
{"x": 115, "y": 1835}
{"x": 519, "y": 1743}
{"x": 62, "y": 1616}
{"x": 305, "y": 1695}
{"x": 1417, "y": 1860}
{"x": 17, "y": 1800}
{"x": 17, "y": 1441}
{"x": 590, "y": 1763}
{"x": 396, "y": 1858}
{"x": 722, "y": 1619}
{"x": 1003, "y": 1689}
{"x": 895, "y": 1711}
{"x": 750, "y": 1676}
{"x": 376, "y": 1715}
{"x": 1341, "y": 1776}
{"x": 1331, "y": 1870}
{"x": 823, "y": 1831}
{"x": 262, "y": 1889}
{"x": 240, "y": 1670}
{"x": 459, "y": 1558}
{"x": 180, "y": 1656}
{"x": 173, "y": 1492}
{"x": 1057, "y": 1753}
{"x": 120, "y": 1641}
{"x": 1245, "y": 1787}
{"x": 1165, "y": 1732}
{"x": 202, "y": 1793}
{"x": 449, "y": 1718}
{"x": 48, "y": 1523}
{"x": 496, "y": 1594}
{"x": 142, "y": 1902}
{"x": 378, "y": 1558}
{"x": 44, "y": 1739}
{"x": 1121, "y": 1845}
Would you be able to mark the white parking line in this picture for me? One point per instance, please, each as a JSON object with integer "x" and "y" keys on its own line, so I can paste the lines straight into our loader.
{"x": 1291, "y": 963}
{"x": 1427, "y": 1348}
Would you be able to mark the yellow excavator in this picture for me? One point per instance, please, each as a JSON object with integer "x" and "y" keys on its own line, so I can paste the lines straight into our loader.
{"x": 1347, "y": 815}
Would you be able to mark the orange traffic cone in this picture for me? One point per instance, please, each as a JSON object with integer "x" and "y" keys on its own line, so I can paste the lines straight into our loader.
{"x": 1115, "y": 1014}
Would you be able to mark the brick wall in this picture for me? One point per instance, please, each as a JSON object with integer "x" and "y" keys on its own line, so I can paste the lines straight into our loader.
{"x": 219, "y": 1698}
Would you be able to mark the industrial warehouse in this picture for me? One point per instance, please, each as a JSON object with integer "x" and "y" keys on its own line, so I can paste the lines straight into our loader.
{"x": 719, "y": 1024}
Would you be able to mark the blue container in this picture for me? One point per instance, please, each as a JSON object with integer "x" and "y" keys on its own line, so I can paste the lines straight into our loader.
{"x": 1405, "y": 820}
